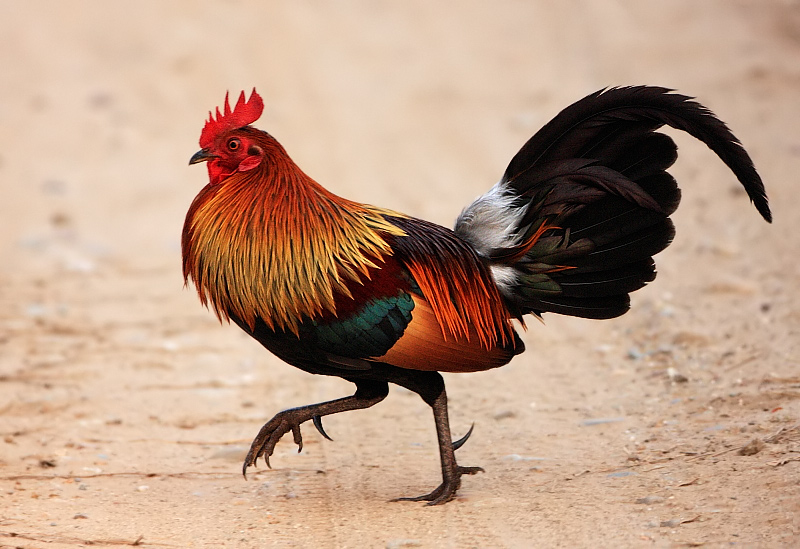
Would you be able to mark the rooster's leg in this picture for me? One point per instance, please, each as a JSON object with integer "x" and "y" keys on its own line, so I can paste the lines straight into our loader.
{"x": 431, "y": 389}
{"x": 368, "y": 393}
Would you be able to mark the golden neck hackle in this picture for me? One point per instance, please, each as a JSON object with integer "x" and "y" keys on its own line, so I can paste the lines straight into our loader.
{"x": 273, "y": 244}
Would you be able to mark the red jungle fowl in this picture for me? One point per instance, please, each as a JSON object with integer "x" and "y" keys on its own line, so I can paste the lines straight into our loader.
{"x": 373, "y": 296}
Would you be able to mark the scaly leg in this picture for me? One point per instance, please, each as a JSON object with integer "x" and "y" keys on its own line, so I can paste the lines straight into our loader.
{"x": 368, "y": 393}
{"x": 433, "y": 392}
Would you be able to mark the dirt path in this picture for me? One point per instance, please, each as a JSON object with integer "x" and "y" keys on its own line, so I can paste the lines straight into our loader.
{"x": 125, "y": 409}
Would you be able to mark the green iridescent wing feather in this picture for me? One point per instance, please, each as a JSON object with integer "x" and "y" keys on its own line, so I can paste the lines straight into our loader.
{"x": 370, "y": 331}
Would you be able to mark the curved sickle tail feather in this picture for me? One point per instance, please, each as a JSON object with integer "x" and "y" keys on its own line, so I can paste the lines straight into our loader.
{"x": 572, "y": 226}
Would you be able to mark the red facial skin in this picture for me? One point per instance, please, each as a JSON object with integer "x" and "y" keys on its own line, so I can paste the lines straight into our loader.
{"x": 231, "y": 153}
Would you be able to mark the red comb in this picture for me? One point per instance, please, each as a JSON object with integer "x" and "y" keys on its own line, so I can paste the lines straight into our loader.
{"x": 244, "y": 113}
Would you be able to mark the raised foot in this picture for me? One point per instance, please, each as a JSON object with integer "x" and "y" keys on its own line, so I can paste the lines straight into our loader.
{"x": 447, "y": 489}
{"x": 271, "y": 433}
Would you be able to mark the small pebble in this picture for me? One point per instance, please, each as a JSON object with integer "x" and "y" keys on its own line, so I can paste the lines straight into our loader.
{"x": 649, "y": 500}
{"x": 81, "y": 516}
{"x": 604, "y": 348}
{"x": 675, "y": 376}
{"x": 170, "y": 345}
{"x": 635, "y": 354}
{"x": 601, "y": 421}
{"x": 752, "y": 448}
{"x": 620, "y": 474}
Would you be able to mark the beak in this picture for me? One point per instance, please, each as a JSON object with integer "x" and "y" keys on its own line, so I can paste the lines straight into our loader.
{"x": 201, "y": 156}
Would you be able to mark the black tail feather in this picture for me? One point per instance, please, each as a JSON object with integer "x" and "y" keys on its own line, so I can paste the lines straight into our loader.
{"x": 594, "y": 178}
{"x": 620, "y": 115}
{"x": 598, "y": 308}
{"x": 622, "y": 280}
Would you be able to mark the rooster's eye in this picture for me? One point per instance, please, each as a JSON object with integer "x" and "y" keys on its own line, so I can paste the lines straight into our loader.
{"x": 234, "y": 144}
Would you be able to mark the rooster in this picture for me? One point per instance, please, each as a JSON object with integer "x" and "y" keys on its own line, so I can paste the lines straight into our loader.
{"x": 373, "y": 296}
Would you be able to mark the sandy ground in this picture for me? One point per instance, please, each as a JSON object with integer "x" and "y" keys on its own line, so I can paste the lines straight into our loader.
{"x": 126, "y": 409}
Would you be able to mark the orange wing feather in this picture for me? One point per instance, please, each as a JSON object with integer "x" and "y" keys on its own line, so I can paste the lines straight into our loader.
{"x": 456, "y": 283}
{"x": 425, "y": 347}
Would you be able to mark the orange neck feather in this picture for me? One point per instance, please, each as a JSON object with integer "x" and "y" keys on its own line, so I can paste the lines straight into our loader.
{"x": 273, "y": 244}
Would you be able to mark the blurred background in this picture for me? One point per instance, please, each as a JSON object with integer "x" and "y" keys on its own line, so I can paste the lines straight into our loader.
{"x": 415, "y": 106}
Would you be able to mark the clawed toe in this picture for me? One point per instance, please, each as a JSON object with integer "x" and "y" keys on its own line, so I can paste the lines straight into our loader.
{"x": 446, "y": 491}
{"x": 268, "y": 437}
{"x": 442, "y": 494}
{"x": 272, "y": 431}
{"x": 470, "y": 470}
